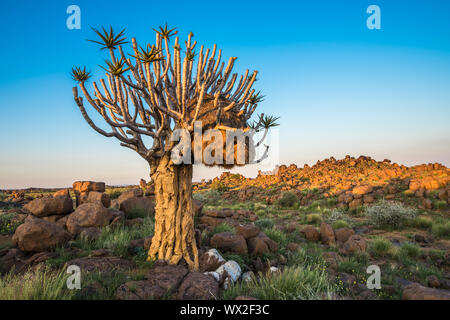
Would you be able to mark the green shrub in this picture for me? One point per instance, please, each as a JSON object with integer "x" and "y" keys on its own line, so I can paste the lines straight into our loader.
{"x": 223, "y": 227}
{"x": 332, "y": 201}
{"x": 421, "y": 222}
{"x": 410, "y": 250}
{"x": 380, "y": 246}
{"x": 440, "y": 204}
{"x": 287, "y": 199}
{"x": 338, "y": 214}
{"x": 389, "y": 214}
{"x": 40, "y": 284}
{"x": 314, "y": 218}
{"x": 260, "y": 206}
{"x": 8, "y": 224}
{"x": 63, "y": 256}
{"x": 293, "y": 283}
{"x": 105, "y": 285}
{"x": 340, "y": 224}
{"x": 208, "y": 197}
{"x": 118, "y": 239}
{"x": 356, "y": 264}
{"x": 2, "y": 196}
{"x": 276, "y": 235}
{"x": 441, "y": 229}
{"x": 265, "y": 223}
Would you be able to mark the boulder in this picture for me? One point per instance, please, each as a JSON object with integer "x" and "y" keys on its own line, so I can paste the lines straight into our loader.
{"x": 362, "y": 189}
{"x": 11, "y": 258}
{"x": 161, "y": 281}
{"x": 368, "y": 198}
{"x": 355, "y": 243}
{"x": 247, "y": 231}
{"x": 62, "y": 193}
{"x": 332, "y": 259}
{"x": 416, "y": 291}
{"x": 210, "y": 260}
{"x": 231, "y": 269}
{"x": 257, "y": 246}
{"x": 327, "y": 234}
{"x": 141, "y": 204}
{"x": 132, "y": 193}
{"x": 210, "y": 221}
{"x": 342, "y": 234}
{"x": 198, "y": 286}
{"x": 86, "y": 186}
{"x": 224, "y": 213}
{"x": 272, "y": 245}
{"x": 433, "y": 281}
{"x": 88, "y": 215}
{"x": 50, "y": 206}
{"x": 228, "y": 241}
{"x": 311, "y": 233}
{"x": 94, "y": 196}
{"x": 39, "y": 235}
{"x": 197, "y": 205}
{"x": 293, "y": 246}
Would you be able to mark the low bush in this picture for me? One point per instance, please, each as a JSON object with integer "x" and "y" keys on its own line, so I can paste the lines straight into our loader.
{"x": 410, "y": 250}
{"x": 421, "y": 223}
{"x": 314, "y": 218}
{"x": 8, "y": 224}
{"x": 338, "y": 214}
{"x": 223, "y": 227}
{"x": 276, "y": 235}
{"x": 287, "y": 199}
{"x": 293, "y": 283}
{"x": 208, "y": 197}
{"x": 441, "y": 229}
{"x": 389, "y": 214}
{"x": 265, "y": 223}
{"x": 118, "y": 239}
{"x": 40, "y": 284}
{"x": 380, "y": 246}
{"x": 340, "y": 224}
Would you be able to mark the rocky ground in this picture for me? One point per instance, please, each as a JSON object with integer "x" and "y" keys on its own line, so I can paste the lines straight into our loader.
{"x": 301, "y": 233}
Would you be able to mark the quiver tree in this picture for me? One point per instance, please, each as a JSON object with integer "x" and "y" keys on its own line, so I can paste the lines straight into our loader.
{"x": 153, "y": 91}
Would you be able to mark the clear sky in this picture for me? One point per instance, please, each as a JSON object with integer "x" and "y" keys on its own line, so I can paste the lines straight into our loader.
{"x": 338, "y": 87}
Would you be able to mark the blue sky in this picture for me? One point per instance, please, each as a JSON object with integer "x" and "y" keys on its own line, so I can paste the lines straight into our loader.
{"x": 338, "y": 87}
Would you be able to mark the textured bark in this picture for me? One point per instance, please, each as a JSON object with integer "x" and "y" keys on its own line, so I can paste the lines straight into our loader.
{"x": 174, "y": 236}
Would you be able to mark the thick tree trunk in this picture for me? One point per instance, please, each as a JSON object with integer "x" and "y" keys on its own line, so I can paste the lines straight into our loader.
{"x": 174, "y": 236}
